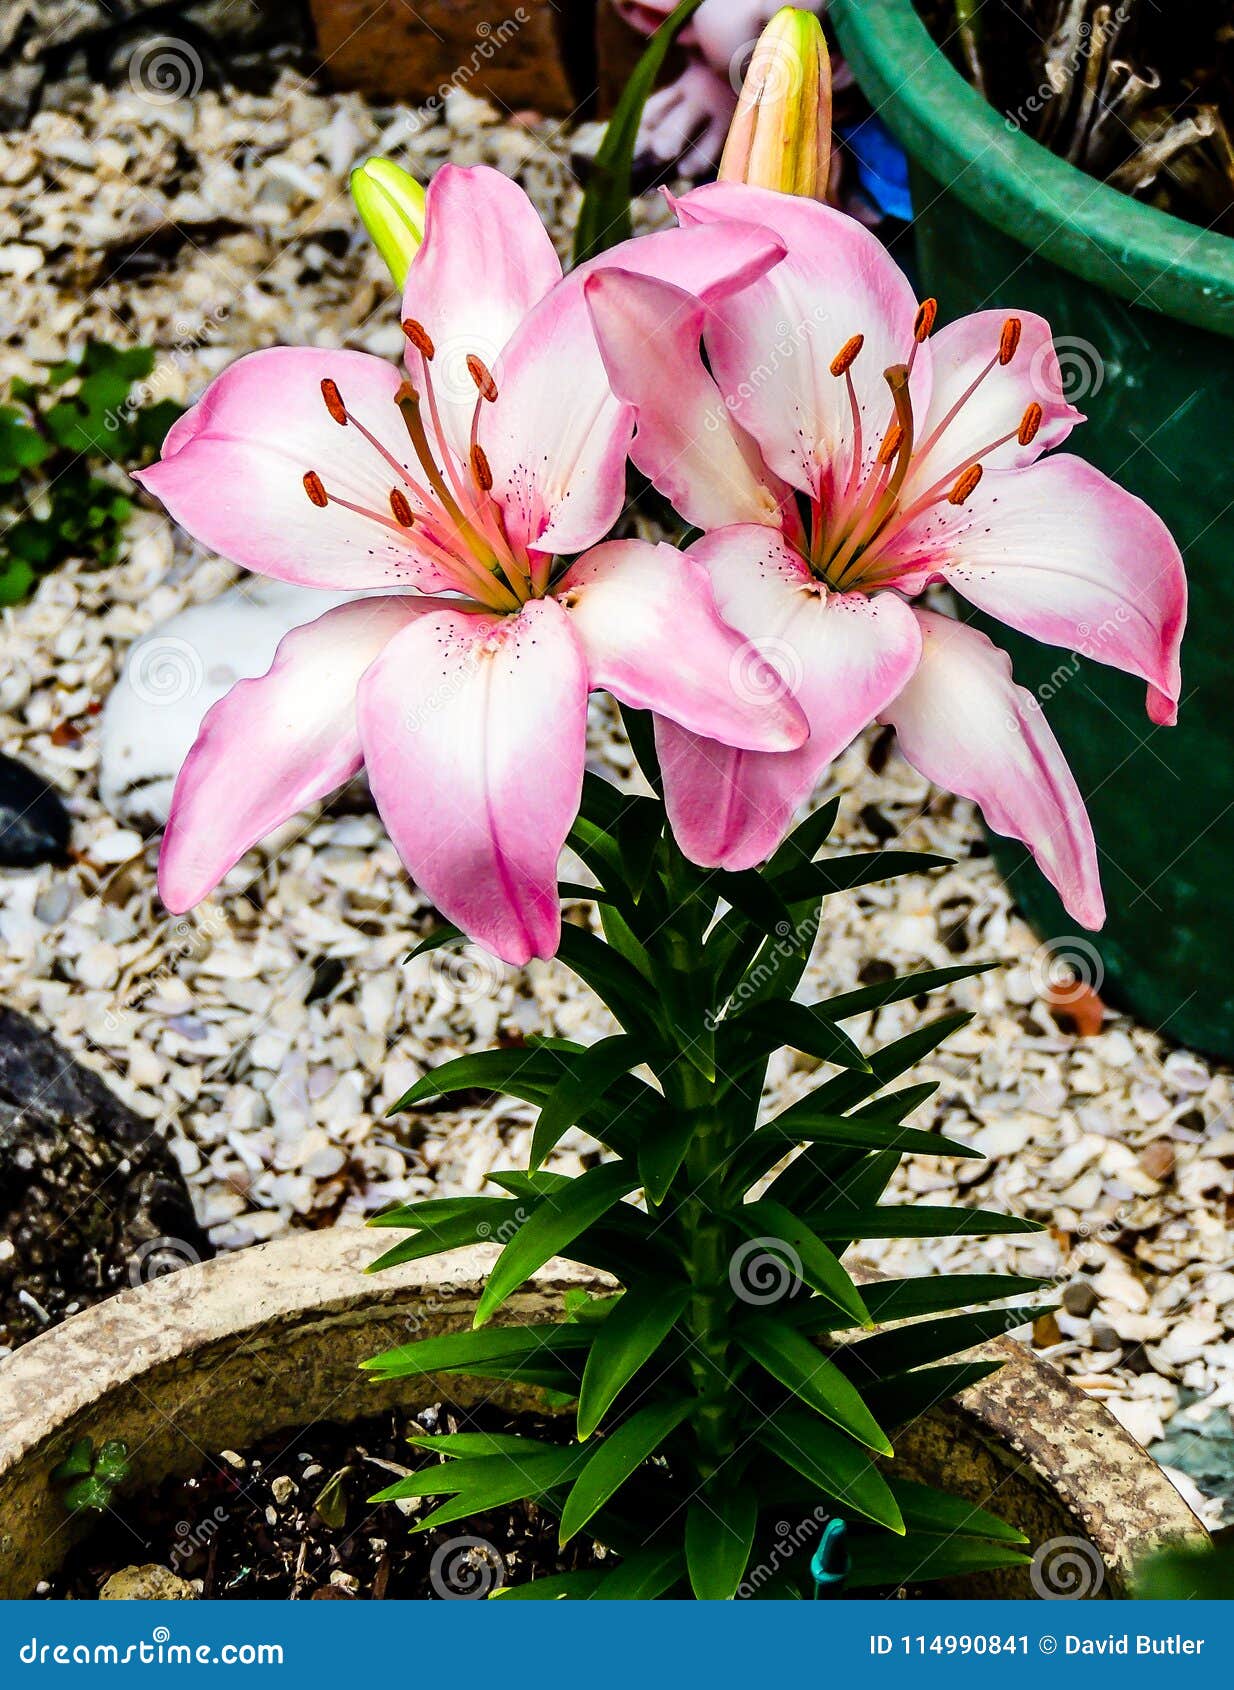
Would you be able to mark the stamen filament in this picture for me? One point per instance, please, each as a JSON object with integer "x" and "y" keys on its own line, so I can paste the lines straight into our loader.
{"x": 936, "y": 434}
{"x": 879, "y": 500}
{"x": 408, "y": 402}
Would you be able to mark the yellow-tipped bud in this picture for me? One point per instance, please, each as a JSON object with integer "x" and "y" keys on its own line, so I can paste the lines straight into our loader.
{"x": 391, "y": 207}
{"x": 781, "y": 133}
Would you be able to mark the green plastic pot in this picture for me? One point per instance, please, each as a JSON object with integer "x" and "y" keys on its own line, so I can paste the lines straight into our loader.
{"x": 1142, "y": 308}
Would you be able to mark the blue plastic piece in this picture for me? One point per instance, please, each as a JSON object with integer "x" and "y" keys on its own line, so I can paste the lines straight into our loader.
{"x": 882, "y": 166}
{"x": 829, "y": 1564}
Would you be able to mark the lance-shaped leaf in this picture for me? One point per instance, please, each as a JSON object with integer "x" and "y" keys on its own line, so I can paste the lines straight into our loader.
{"x": 846, "y": 874}
{"x": 553, "y": 1587}
{"x": 482, "y": 1443}
{"x": 553, "y": 1225}
{"x": 613, "y": 1461}
{"x": 846, "y": 1091}
{"x": 767, "y": 1026}
{"x": 786, "y": 1355}
{"x": 486, "y": 1480}
{"x": 916, "y": 1220}
{"x": 642, "y": 1577}
{"x": 851, "y": 1132}
{"x": 938, "y": 1293}
{"x": 584, "y": 1084}
{"x": 891, "y": 1353}
{"x": 808, "y": 1256}
{"x": 719, "y": 1536}
{"x": 839, "y": 1467}
{"x": 924, "y": 1557}
{"x": 455, "y": 1352}
{"x": 529, "y": 1073}
{"x": 628, "y": 1338}
{"x": 616, "y": 981}
{"x": 431, "y": 1211}
{"x": 805, "y": 841}
{"x": 457, "y": 1233}
{"x": 925, "y": 1509}
{"x": 446, "y": 934}
{"x": 660, "y": 1154}
{"x": 885, "y": 992}
{"x": 904, "y": 1399}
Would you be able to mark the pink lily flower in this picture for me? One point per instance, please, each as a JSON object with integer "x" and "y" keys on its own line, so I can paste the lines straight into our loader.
{"x": 450, "y": 497}
{"x": 842, "y": 458}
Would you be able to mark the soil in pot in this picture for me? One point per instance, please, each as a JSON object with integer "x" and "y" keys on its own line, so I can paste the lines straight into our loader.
{"x": 289, "y": 1520}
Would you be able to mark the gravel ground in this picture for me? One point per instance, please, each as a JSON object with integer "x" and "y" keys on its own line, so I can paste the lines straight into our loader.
{"x": 267, "y": 1033}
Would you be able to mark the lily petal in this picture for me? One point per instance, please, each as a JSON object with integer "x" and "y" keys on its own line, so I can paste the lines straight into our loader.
{"x": 233, "y": 468}
{"x": 843, "y": 656}
{"x": 649, "y": 627}
{"x": 556, "y": 437}
{"x": 771, "y": 345}
{"x": 962, "y": 351}
{"x": 274, "y": 745}
{"x": 650, "y": 335}
{"x": 474, "y": 732}
{"x": 486, "y": 261}
{"x": 964, "y": 724}
{"x": 1063, "y": 553}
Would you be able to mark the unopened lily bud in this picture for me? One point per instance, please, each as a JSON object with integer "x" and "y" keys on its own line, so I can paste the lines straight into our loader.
{"x": 780, "y": 136}
{"x": 391, "y": 207}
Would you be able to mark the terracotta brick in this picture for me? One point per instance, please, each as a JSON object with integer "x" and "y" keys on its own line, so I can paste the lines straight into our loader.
{"x": 509, "y": 51}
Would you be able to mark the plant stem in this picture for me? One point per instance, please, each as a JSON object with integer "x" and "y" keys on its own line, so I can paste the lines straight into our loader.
{"x": 694, "y": 1205}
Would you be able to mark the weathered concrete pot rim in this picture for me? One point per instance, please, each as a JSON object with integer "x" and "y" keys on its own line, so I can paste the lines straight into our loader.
{"x": 219, "y": 1355}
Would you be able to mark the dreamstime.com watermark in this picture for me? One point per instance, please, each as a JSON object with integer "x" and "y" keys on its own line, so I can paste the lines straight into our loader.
{"x": 790, "y": 1539}
{"x": 158, "y": 1651}
{"x": 490, "y": 39}
{"x": 1088, "y": 39}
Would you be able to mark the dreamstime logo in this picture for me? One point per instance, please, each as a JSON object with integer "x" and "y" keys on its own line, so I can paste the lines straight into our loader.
{"x": 158, "y": 1258}
{"x": 165, "y": 670}
{"x": 790, "y": 1539}
{"x": 467, "y": 976}
{"x": 778, "y": 69}
{"x": 765, "y": 669}
{"x": 466, "y": 1570}
{"x": 785, "y": 945}
{"x": 763, "y": 1270}
{"x": 166, "y": 69}
{"x": 486, "y": 1233}
{"x": 1067, "y": 1569}
{"x": 1068, "y": 365}
{"x": 1065, "y": 970}
{"x": 194, "y": 1537}
{"x": 453, "y": 380}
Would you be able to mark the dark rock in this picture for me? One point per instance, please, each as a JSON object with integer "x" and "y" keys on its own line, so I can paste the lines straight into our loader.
{"x": 91, "y": 1198}
{"x": 34, "y": 824}
{"x": 1079, "y": 1299}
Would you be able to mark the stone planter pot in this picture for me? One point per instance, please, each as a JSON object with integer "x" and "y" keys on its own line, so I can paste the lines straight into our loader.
{"x": 218, "y": 1356}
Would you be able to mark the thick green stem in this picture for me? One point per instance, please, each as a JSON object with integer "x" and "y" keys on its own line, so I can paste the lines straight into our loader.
{"x": 695, "y": 1204}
